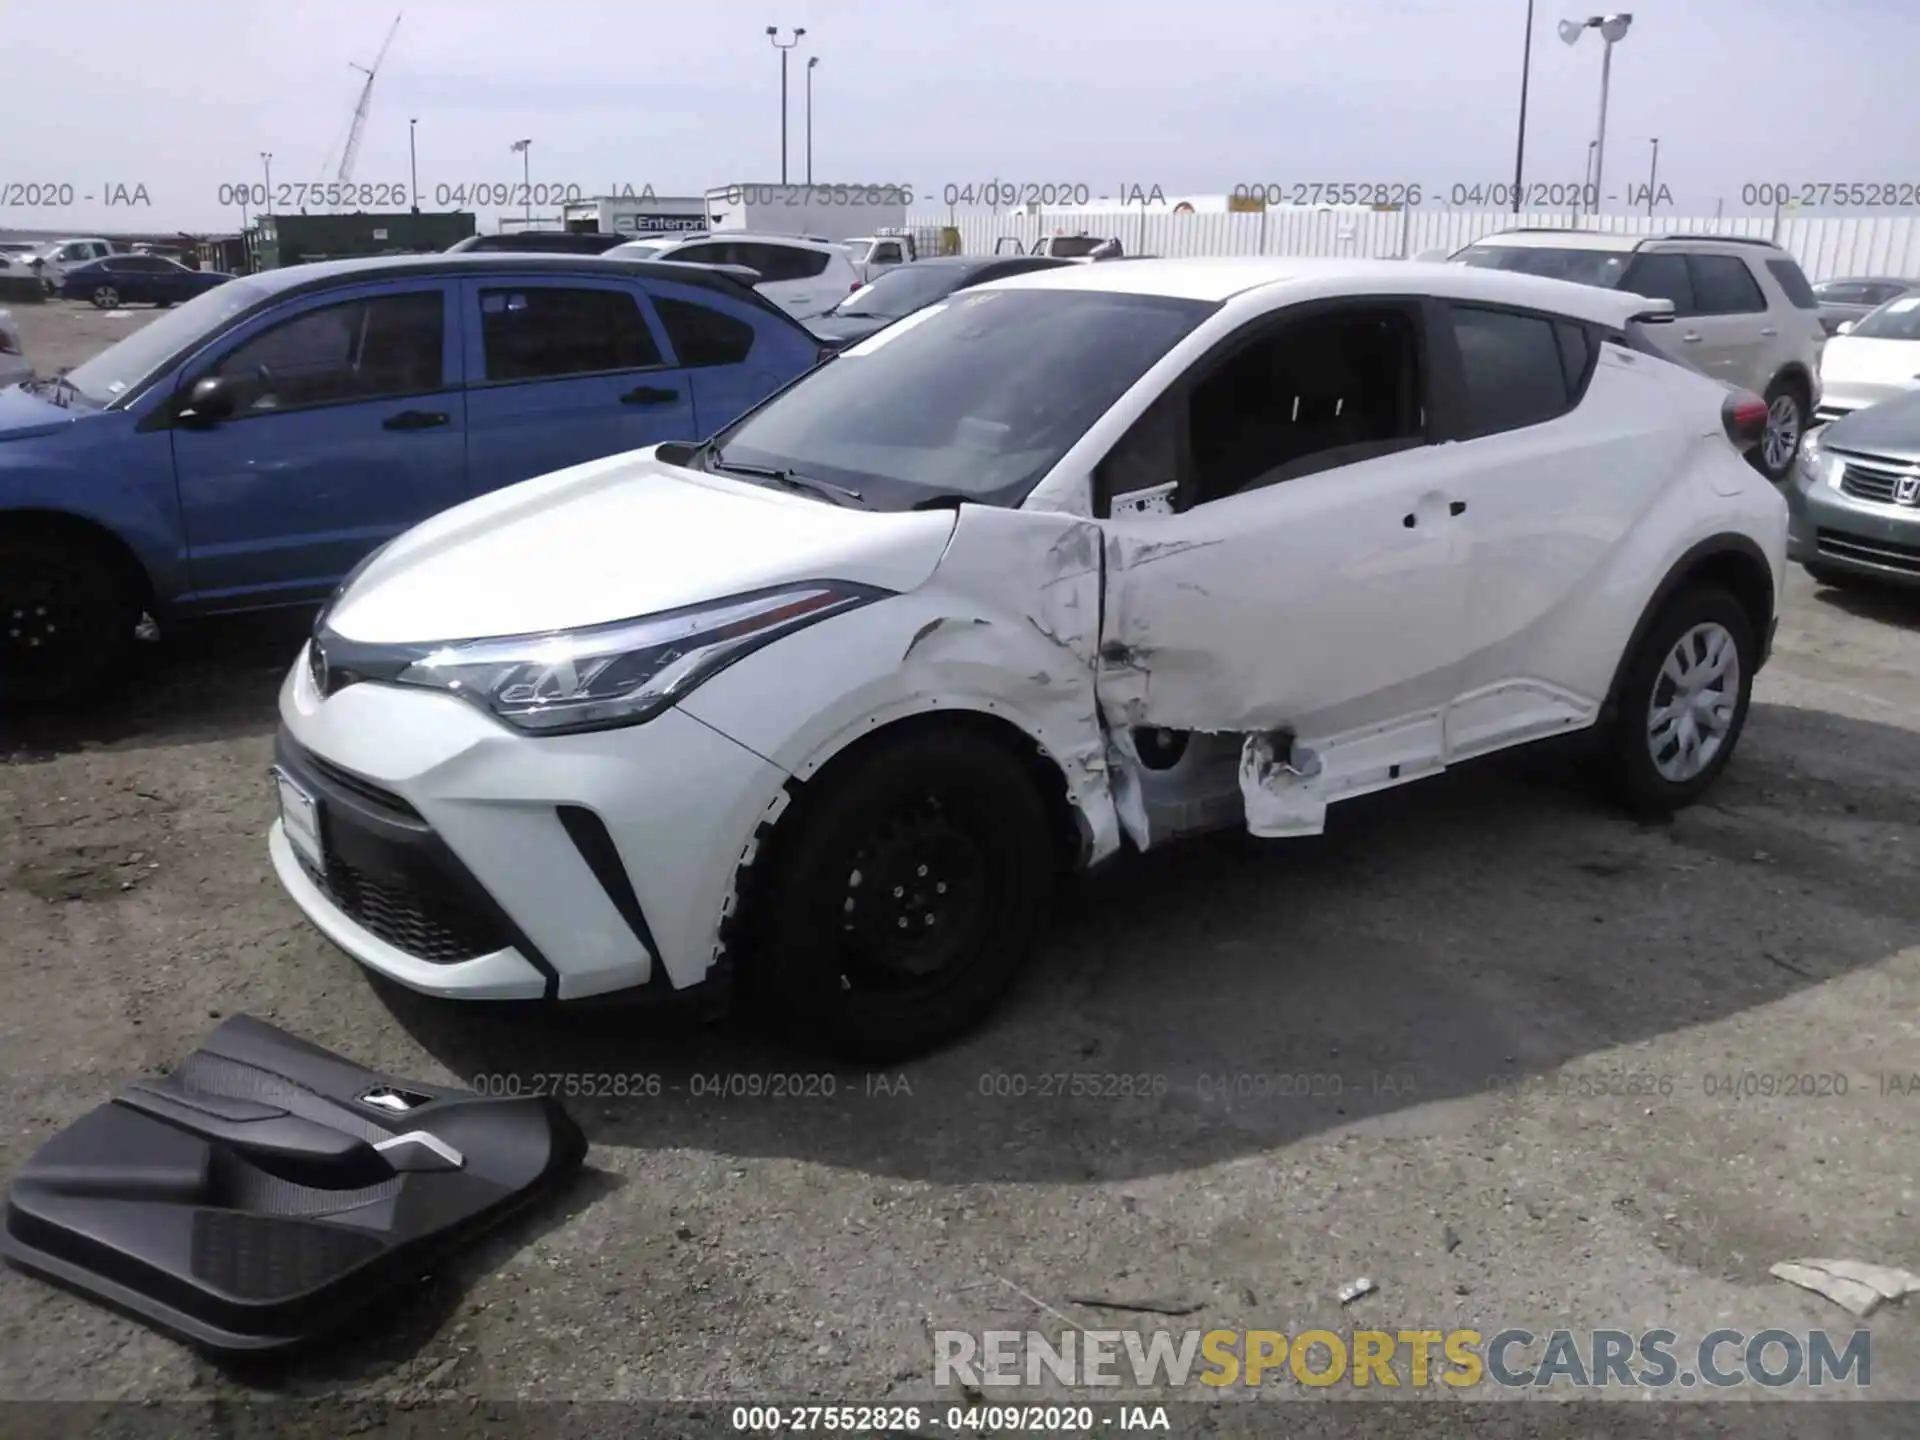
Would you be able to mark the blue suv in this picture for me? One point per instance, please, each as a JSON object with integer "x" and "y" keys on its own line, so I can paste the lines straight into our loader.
{"x": 247, "y": 449}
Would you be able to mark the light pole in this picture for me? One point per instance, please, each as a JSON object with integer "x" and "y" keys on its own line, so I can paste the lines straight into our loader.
{"x": 1653, "y": 172}
{"x": 1586, "y": 179}
{"x": 773, "y": 34}
{"x": 1520, "y": 144}
{"x": 525, "y": 147}
{"x": 1613, "y": 29}
{"x": 413, "y": 165}
{"x": 266, "y": 163}
{"x": 812, "y": 61}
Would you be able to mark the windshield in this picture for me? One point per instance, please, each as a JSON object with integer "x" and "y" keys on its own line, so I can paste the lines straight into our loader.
{"x": 1584, "y": 267}
{"x": 1073, "y": 247}
{"x": 978, "y": 396}
{"x": 117, "y": 369}
{"x": 901, "y": 292}
{"x": 1895, "y": 320}
{"x": 859, "y": 250}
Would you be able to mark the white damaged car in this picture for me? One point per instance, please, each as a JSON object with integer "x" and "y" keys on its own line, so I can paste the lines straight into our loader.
{"x": 1096, "y": 556}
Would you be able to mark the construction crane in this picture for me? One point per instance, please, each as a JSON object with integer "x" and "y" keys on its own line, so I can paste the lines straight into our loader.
{"x": 359, "y": 125}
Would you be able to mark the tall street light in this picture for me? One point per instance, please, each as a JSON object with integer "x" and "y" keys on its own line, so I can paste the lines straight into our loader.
{"x": 525, "y": 147}
{"x": 1613, "y": 29}
{"x": 773, "y": 34}
{"x": 413, "y": 164}
{"x": 812, "y": 61}
{"x": 266, "y": 163}
{"x": 1520, "y": 145}
{"x": 1653, "y": 172}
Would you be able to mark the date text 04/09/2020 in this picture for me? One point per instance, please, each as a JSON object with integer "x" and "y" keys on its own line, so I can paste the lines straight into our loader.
{"x": 1410, "y": 194}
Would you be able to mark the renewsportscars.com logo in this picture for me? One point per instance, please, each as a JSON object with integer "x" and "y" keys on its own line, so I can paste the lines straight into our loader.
{"x": 1413, "y": 1359}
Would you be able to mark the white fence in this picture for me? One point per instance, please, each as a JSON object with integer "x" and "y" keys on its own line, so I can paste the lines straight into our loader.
{"x": 1826, "y": 246}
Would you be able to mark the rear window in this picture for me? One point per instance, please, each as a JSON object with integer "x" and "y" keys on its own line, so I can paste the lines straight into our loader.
{"x": 1896, "y": 320}
{"x": 1072, "y": 247}
{"x": 1515, "y": 367}
{"x": 1793, "y": 282}
{"x": 1584, "y": 267}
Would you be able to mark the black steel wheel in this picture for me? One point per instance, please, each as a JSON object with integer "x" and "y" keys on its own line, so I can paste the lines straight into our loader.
{"x": 66, "y": 618}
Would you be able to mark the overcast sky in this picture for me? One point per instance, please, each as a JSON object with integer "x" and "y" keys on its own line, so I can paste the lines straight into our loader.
{"x": 1194, "y": 98}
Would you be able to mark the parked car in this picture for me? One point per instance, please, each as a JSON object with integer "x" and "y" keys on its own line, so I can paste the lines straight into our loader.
{"x": 1872, "y": 360}
{"x": 52, "y": 262}
{"x": 538, "y": 242}
{"x": 1856, "y": 297}
{"x": 1743, "y": 310}
{"x": 137, "y": 279}
{"x": 14, "y": 367}
{"x": 1101, "y": 551}
{"x": 803, "y": 277}
{"x": 1856, "y": 497}
{"x": 248, "y": 448}
{"x": 904, "y": 289}
{"x": 16, "y": 258}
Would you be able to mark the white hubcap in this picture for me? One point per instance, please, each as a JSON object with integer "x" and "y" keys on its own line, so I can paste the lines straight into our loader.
{"x": 1783, "y": 431}
{"x": 1693, "y": 702}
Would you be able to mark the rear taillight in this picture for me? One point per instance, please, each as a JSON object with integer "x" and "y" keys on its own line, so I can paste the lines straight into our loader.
{"x": 856, "y": 287}
{"x": 1745, "y": 416}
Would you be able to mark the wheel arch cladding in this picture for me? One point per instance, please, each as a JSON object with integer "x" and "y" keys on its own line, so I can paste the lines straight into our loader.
{"x": 1733, "y": 563}
{"x": 61, "y": 524}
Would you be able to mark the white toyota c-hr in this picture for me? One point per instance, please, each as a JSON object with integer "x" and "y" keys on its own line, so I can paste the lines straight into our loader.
{"x": 1094, "y": 556}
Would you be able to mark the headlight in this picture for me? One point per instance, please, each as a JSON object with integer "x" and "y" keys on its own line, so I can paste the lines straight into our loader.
{"x": 604, "y": 676}
{"x": 1818, "y": 464}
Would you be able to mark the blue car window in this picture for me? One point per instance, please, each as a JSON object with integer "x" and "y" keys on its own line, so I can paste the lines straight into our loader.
{"x": 702, "y": 335}
{"x": 541, "y": 332}
{"x": 370, "y": 349}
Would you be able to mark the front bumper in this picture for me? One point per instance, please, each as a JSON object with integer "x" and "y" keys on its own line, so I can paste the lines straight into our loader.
{"x": 466, "y": 860}
{"x": 1837, "y": 531}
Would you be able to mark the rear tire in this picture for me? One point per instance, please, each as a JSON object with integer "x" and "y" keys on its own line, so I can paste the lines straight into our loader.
{"x": 67, "y": 618}
{"x": 1786, "y": 430}
{"x": 1683, "y": 701}
{"x": 898, "y": 905}
{"x": 105, "y": 297}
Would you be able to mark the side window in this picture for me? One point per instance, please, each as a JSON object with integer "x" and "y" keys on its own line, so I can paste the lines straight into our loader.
{"x": 1849, "y": 294}
{"x": 887, "y": 254}
{"x": 1661, "y": 277}
{"x": 374, "y": 349}
{"x": 541, "y": 333}
{"x": 1577, "y": 350}
{"x": 1722, "y": 285}
{"x": 703, "y": 336}
{"x": 718, "y": 254}
{"x": 787, "y": 262}
{"x": 1880, "y": 294}
{"x": 1147, "y": 456}
{"x": 1793, "y": 283}
{"x": 1327, "y": 390}
{"x": 1513, "y": 367}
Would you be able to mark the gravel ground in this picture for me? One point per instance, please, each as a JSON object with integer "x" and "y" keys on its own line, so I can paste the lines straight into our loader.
{"x": 1463, "y": 962}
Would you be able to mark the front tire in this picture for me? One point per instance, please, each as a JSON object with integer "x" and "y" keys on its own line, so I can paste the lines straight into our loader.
{"x": 898, "y": 903}
{"x": 1786, "y": 427}
{"x": 105, "y": 297}
{"x": 1683, "y": 701}
{"x": 67, "y": 619}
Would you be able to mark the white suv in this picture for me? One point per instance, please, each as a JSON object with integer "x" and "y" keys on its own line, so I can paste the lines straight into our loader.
{"x": 1091, "y": 556}
{"x": 1743, "y": 310}
{"x": 52, "y": 263}
{"x": 803, "y": 277}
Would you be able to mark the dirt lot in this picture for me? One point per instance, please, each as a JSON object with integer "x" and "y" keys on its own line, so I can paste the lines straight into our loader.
{"x": 1465, "y": 964}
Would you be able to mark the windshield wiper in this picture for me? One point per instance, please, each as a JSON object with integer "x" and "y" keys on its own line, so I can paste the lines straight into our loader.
{"x": 793, "y": 479}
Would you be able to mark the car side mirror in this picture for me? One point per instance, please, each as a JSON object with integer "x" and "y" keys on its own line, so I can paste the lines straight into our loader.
{"x": 1845, "y": 328}
{"x": 211, "y": 400}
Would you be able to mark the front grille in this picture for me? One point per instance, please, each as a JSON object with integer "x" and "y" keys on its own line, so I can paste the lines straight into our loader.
{"x": 354, "y": 784}
{"x": 1865, "y": 481}
{"x": 434, "y": 928}
{"x": 1888, "y": 554}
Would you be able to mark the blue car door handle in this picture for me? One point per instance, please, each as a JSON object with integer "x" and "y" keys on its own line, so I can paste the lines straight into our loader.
{"x": 415, "y": 420}
{"x": 650, "y": 395}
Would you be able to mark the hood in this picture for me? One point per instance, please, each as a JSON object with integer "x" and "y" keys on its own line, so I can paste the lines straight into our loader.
{"x": 616, "y": 539}
{"x": 24, "y": 415}
{"x": 1849, "y": 357}
{"x": 844, "y": 329}
{"x": 1892, "y": 428}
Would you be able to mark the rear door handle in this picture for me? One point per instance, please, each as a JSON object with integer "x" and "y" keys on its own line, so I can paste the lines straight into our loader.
{"x": 1692, "y": 337}
{"x": 415, "y": 420}
{"x": 649, "y": 395}
{"x": 1769, "y": 331}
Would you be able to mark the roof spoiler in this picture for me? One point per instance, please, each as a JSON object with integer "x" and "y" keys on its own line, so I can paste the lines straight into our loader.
{"x": 1654, "y": 312}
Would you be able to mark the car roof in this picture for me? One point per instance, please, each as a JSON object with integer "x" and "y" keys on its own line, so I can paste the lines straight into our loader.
{"x": 1868, "y": 280}
{"x": 1221, "y": 278}
{"x": 756, "y": 237}
{"x": 1547, "y": 238}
